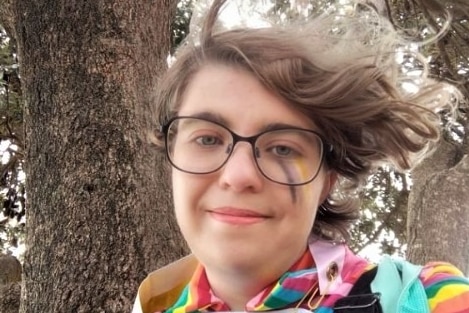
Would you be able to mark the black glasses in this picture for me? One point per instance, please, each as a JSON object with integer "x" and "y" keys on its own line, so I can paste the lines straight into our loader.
{"x": 288, "y": 156}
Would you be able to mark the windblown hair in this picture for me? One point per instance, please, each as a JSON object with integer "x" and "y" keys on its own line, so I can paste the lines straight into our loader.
{"x": 341, "y": 72}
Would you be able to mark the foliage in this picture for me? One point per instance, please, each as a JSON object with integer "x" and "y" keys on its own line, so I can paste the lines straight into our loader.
{"x": 180, "y": 26}
{"x": 448, "y": 58}
{"x": 422, "y": 19}
{"x": 12, "y": 193}
{"x": 383, "y": 217}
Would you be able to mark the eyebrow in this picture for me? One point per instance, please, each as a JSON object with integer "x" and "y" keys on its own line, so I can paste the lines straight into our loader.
{"x": 277, "y": 126}
{"x": 213, "y": 117}
{"x": 217, "y": 118}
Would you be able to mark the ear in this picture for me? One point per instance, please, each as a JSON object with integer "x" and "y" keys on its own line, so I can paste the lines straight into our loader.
{"x": 329, "y": 182}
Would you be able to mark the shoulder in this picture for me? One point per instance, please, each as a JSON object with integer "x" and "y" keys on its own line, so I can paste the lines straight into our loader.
{"x": 446, "y": 288}
{"x": 162, "y": 288}
{"x": 434, "y": 288}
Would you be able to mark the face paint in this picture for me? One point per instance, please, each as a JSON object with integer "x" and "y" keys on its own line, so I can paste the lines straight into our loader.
{"x": 302, "y": 170}
{"x": 294, "y": 171}
{"x": 288, "y": 173}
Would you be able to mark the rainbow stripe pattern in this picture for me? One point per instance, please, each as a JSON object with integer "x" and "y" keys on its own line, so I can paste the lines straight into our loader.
{"x": 446, "y": 287}
{"x": 289, "y": 289}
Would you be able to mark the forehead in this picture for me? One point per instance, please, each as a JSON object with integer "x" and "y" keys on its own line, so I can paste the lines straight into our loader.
{"x": 239, "y": 98}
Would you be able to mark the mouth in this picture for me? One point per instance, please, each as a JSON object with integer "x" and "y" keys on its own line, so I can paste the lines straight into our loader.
{"x": 237, "y": 216}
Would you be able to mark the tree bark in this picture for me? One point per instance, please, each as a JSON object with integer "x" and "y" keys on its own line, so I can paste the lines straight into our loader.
{"x": 99, "y": 212}
{"x": 438, "y": 218}
{"x": 7, "y": 18}
{"x": 10, "y": 297}
{"x": 10, "y": 286}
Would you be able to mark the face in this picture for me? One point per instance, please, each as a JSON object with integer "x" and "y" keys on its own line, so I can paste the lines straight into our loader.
{"x": 235, "y": 218}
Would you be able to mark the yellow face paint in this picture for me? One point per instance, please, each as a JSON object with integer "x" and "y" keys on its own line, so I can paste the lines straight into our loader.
{"x": 295, "y": 171}
{"x": 302, "y": 168}
{"x": 303, "y": 171}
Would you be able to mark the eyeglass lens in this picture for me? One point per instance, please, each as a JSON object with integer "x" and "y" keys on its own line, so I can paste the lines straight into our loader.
{"x": 286, "y": 156}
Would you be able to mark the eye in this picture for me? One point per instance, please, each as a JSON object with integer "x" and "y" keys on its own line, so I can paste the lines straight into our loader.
{"x": 282, "y": 150}
{"x": 208, "y": 140}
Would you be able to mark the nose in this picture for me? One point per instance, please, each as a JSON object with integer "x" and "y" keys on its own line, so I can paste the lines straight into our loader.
{"x": 240, "y": 172}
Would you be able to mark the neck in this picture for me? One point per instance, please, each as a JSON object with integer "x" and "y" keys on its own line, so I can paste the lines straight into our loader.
{"x": 239, "y": 283}
{"x": 236, "y": 288}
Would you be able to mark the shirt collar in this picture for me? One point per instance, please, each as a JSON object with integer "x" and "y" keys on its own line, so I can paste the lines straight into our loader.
{"x": 338, "y": 267}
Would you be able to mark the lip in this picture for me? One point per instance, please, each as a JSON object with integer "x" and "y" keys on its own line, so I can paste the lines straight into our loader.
{"x": 237, "y": 216}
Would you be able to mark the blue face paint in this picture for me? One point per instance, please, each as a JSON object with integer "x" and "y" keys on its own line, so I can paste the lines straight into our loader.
{"x": 289, "y": 175}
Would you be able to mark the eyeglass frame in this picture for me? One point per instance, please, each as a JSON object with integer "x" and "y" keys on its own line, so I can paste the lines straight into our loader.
{"x": 327, "y": 148}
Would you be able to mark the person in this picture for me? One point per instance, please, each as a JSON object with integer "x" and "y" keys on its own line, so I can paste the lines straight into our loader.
{"x": 268, "y": 131}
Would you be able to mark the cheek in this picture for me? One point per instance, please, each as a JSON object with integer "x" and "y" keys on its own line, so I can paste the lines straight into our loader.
{"x": 187, "y": 190}
{"x": 183, "y": 203}
{"x": 309, "y": 198}
{"x": 176, "y": 187}
{"x": 182, "y": 193}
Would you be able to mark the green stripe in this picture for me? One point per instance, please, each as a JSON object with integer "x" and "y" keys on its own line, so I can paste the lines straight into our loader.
{"x": 433, "y": 289}
{"x": 182, "y": 301}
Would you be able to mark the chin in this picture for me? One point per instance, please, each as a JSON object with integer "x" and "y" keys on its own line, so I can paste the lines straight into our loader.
{"x": 232, "y": 260}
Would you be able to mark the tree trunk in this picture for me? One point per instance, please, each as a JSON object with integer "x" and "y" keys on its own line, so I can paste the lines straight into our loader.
{"x": 10, "y": 297}
{"x": 99, "y": 212}
{"x": 438, "y": 218}
{"x": 10, "y": 286}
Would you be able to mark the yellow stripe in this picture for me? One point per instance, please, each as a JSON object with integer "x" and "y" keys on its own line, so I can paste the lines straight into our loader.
{"x": 302, "y": 168}
{"x": 447, "y": 292}
{"x": 262, "y": 306}
{"x": 179, "y": 310}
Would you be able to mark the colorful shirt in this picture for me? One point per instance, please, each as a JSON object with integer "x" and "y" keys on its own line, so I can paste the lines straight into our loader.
{"x": 446, "y": 287}
{"x": 326, "y": 273}
{"x": 316, "y": 281}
